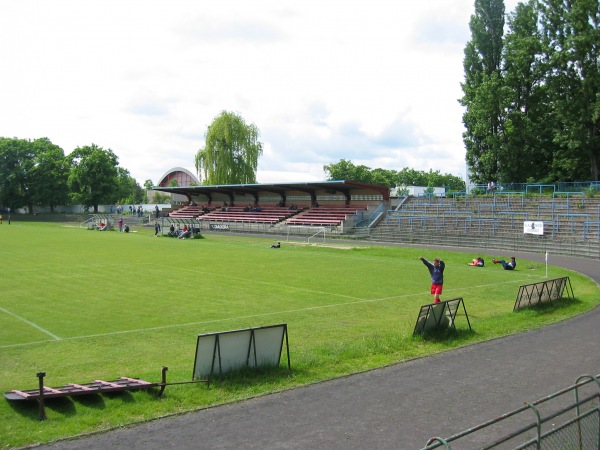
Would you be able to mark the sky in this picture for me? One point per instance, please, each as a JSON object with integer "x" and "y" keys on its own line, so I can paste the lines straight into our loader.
{"x": 373, "y": 82}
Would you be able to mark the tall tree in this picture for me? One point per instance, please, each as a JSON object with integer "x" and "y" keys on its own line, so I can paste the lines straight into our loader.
{"x": 231, "y": 151}
{"x": 527, "y": 146}
{"x": 17, "y": 158}
{"x": 93, "y": 176}
{"x": 483, "y": 90}
{"x": 49, "y": 174}
{"x": 127, "y": 190}
{"x": 572, "y": 39}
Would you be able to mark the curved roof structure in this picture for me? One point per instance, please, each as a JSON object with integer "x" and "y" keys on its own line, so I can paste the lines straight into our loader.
{"x": 314, "y": 189}
{"x": 183, "y": 176}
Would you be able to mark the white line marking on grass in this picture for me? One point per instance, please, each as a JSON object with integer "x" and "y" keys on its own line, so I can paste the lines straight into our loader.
{"x": 55, "y": 337}
{"x": 268, "y": 283}
{"x": 181, "y": 325}
{"x": 274, "y": 313}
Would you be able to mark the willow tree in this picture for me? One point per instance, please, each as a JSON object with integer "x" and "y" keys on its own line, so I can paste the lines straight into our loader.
{"x": 231, "y": 151}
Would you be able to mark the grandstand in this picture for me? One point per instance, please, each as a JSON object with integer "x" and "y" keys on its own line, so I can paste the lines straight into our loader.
{"x": 570, "y": 215}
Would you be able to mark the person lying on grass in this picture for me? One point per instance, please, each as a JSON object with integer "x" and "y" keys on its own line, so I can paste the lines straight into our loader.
{"x": 507, "y": 266}
{"x": 477, "y": 262}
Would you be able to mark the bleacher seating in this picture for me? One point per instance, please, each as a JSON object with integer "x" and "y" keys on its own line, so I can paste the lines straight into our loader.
{"x": 187, "y": 212}
{"x": 500, "y": 217}
{"x": 324, "y": 216}
{"x": 267, "y": 214}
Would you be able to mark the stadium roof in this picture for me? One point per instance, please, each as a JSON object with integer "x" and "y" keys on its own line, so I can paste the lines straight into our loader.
{"x": 313, "y": 188}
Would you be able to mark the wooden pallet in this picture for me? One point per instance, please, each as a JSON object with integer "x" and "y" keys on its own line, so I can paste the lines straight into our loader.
{"x": 94, "y": 387}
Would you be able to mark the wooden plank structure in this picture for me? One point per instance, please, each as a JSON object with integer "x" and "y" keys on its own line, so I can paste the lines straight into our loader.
{"x": 94, "y": 387}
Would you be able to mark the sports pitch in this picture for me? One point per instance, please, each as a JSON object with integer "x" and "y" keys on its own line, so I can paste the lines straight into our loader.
{"x": 82, "y": 305}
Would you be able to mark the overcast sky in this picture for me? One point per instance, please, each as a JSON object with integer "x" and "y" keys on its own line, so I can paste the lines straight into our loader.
{"x": 374, "y": 82}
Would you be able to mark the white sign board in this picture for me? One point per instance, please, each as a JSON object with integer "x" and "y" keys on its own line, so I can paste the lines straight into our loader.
{"x": 533, "y": 228}
{"x": 231, "y": 350}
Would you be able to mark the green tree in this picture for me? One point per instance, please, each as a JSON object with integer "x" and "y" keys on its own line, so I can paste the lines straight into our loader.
{"x": 127, "y": 190}
{"x": 49, "y": 174}
{"x": 346, "y": 170}
{"x": 528, "y": 146}
{"x": 162, "y": 198}
{"x": 93, "y": 176}
{"x": 411, "y": 177}
{"x": 384, "y": 177}
{"x": 437, "y": 179}
{"x": 483, "y": 90}
{"x": 17, "y": 159}
{"x": 148, "y": 184}
{"x": 231, "y": 151}
{"x": 572, "y": 39}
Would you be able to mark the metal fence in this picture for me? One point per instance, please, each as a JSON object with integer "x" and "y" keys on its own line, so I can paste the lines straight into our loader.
{"x": 551, "y": 423}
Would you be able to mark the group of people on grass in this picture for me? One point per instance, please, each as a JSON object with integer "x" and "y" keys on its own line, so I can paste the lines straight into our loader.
{"x": 436, "y": 270}
{"x": 178, "y": 232}
{"x": 479, "y": 262}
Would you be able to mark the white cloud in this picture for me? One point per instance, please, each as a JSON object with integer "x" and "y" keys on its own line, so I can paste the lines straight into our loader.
{"x": 372, "y": 82}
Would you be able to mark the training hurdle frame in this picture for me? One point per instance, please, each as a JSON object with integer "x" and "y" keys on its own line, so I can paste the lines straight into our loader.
{"x": 229, "y": 351}
{"x": 543, "y": 292}
{"x": 439, "y": 315}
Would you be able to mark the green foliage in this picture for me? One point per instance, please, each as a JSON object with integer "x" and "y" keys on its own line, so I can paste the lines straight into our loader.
{"x": 127, "y": 189}
{"x": 49, "y": 174}
{"x": 161, "y": 198}
{"x": 93, "y": 176}
{"x": 482, "y": 90}
{"x": 103, "y": 327}
{"x": 38, "y": 173}
{"x": 231, "y": 151}
{"x": 572, "y": 52}
{"x": 532, "y": 98}
{"x": 528, "y": 132}
{"x": 346, "y": 170}
{"x": 17, "y": 160}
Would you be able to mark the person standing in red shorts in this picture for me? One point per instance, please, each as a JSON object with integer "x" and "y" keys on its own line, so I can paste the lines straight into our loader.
{"x": 436, "y": 270}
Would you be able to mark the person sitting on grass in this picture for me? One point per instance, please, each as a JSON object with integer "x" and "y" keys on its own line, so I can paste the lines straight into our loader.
{"x": 507, "y": 266}
{"x": 477, "y": 262}
{"x": 102, "y": 226}
{"x": 278, "y": 245}
{"x": 186, "y": 233}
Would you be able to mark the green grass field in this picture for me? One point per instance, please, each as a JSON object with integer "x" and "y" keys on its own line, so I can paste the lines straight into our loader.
{"x": 82, "y": 305}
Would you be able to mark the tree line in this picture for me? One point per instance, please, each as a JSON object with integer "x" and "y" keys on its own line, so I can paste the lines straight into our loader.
{"x": 346, "y": 170}
{"x": 532, "y": 92}
{"x": 37, "y": 173}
